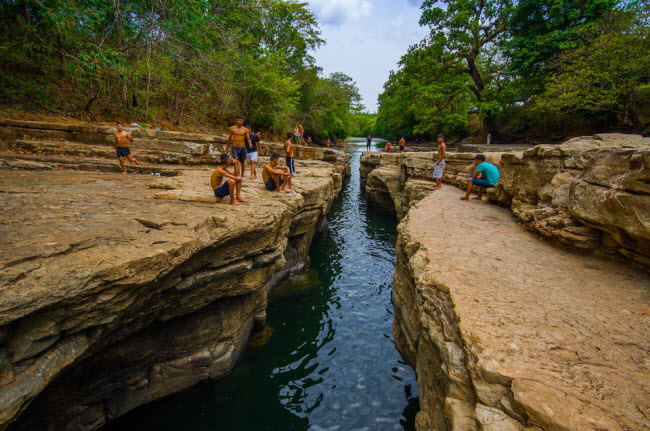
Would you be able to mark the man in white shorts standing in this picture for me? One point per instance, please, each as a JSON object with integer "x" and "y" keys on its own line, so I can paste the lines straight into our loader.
{"x": 440, "y": 162}
{"x": 251, "y": 151}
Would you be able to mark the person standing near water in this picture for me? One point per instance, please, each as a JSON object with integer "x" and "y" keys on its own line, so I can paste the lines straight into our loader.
{"x": 440, "y": 162}
{"x": 402, "y": 144}
{"x": 122, "y": 140}
{"x": 388, "y": 147}
{"x": 239, "y": 138}
{"x": 368, "y": 142}
{"x": 251, "y": 151}
{"x": 232, "y": 186}
{"x": 288, "y": 152}
{"x": 485, "y": 177}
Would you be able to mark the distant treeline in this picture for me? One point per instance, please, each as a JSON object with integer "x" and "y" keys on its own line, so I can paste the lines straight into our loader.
{"x": 522, "y": 67}
{"x": 196, "y": 63}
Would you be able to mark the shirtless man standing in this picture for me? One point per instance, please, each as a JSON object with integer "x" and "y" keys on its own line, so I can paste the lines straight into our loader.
{"x": 275, "y": 177}
{"x": 402, "y": 144}
{"x": 231, "y": 187}
{"x": 239, "y": 137}
{"x": 440, "y": 162}
{"x": 122, "y": 147}
{"x": 288, "y": 152}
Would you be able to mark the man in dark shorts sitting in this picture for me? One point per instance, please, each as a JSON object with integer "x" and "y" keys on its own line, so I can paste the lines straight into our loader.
{"x": 231, "y": 187}
{"x": 239, "y": 138}
{"x": 485, "y": 177}
{"x": 275, "y": 177}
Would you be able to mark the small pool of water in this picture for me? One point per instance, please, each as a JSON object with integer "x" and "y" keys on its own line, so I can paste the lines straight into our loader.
{"x": 330, "y": 363}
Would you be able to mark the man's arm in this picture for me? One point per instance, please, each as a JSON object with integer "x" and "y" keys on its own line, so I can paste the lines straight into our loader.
{"x": 129, "y": 137}
{"x": 248, "y": 139}
{"x": 226, "y": 173}
{"x": 281, "y": 170}
{"x": 115, "y": 145}
{"x": 301, "y": 129}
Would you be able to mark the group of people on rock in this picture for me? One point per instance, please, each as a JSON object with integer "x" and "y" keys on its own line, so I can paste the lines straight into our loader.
{"x": 485, "y": 176}
{"x": 245, "y": 145}
{"x": 402, "y": 144}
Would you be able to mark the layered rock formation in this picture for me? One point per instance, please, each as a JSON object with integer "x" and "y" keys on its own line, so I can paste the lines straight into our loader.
{"x": 589, "y": 194}
{"x": 118, "y": 290}
{"x": 506, "y": 332}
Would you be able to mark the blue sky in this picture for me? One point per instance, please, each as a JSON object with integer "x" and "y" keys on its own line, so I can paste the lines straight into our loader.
{"x": 365, "y": 39}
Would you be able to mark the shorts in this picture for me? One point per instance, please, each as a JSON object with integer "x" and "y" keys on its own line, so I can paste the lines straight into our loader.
{"x": 270, "y": 184}
{"x": 252, "y": 156}
{"x": 437, "y": 172}
{"x": 401, "y": 147}
{"x": 222, "y": 191}
{"x": 122, "y": 152}
{"x": 482, "y": 183}
{"x": 239, "y": 154}
{"x": 290, "y": 165}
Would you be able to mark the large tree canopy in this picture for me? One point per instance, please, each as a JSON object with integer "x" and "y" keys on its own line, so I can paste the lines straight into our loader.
{"x": 192, "y": 62}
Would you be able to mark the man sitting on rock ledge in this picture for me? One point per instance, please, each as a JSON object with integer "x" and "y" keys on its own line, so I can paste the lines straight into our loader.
{"x": 231, "y": 187}
{"x": 275, "y": 177}
{"x": 485, "y": 177}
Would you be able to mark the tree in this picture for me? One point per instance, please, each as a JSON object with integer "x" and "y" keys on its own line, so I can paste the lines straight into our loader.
{"x": 462, "y": 30}
{"x": 541, "y": 30}
{"x": 608, "y": 72}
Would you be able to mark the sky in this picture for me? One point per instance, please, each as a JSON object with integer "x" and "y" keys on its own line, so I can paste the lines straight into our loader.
{"x": 365, "y": 39}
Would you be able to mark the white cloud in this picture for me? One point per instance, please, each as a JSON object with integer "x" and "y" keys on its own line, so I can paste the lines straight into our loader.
{"x": 339, "y": 12}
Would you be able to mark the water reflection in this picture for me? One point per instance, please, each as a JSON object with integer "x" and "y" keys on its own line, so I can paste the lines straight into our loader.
{"x": 330, "y": 363}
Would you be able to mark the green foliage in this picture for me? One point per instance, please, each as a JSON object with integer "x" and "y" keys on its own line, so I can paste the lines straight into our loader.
{"x": 195, "y": 62}
{"x": 521, "y": 62}
{"x": 608, "y": 72}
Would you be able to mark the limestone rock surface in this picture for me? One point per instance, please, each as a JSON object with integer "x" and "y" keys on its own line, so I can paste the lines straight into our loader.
{"x": 506, "y": 332}
{"x": 150, "y": 279}
{"x": 589, "y": 194}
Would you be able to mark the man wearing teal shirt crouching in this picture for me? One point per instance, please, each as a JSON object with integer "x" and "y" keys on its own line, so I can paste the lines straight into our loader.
{"x": 486, "y": 176}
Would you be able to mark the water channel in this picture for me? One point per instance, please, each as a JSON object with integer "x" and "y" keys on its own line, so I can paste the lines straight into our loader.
{"x": 331, "y": 363}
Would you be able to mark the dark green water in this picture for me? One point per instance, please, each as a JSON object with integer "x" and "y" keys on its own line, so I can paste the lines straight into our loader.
{"x": 331, "y": 363}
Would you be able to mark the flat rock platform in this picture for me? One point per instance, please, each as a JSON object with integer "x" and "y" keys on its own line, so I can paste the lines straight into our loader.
{"x": 549, "y": 338}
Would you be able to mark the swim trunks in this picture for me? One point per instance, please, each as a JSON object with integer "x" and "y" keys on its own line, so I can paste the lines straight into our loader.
{"x": 252, "y": 156}
{"x": 254, "y": 140}
{"x": 437, "y": 172}
{"x": 290, "y": 165}
{"x": 122, "y": 151}
{"x": 239, "y": 154}
{"x": 270, "y": 184}
{"x": 401, "y": 147}
{"x": 481, "y": 182}
{"x": 222, "y": 191}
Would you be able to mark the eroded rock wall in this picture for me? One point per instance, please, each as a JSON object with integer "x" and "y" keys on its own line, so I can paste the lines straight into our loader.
{"x": 506, "y": 332}
{"x": 590, "y": 194}
{"x": 118, "y": 290}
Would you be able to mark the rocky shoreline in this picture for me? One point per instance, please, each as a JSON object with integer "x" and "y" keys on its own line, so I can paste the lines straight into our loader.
{"x": 507, "y": 332}
{"x": 119, "y": 290}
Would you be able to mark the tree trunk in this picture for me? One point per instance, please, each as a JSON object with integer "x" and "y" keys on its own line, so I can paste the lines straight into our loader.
{"x": 490, "y": 122}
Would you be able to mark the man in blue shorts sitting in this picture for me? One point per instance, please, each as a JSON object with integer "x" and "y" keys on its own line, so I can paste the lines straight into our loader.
{"x": 486, "y": 176}
{"x": 231, "y": 187}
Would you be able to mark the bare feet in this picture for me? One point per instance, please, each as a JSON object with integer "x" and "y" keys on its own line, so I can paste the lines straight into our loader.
{"x": 464, "y": 198}
{"x": 124, "y": 172}
{"x": 242, "y": 200}
{"x": 235, "y": 202}
{"x": 437, "y": 188}
{"x": 136, "y": 162}
{"x": 252, "y": 177}
{"x": 478, "y": 198}
{"x": 282, "y": 191}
